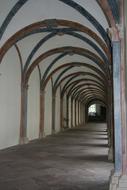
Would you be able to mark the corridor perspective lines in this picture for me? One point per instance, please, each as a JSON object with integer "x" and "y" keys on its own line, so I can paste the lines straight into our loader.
{"x": 75, "y": 159}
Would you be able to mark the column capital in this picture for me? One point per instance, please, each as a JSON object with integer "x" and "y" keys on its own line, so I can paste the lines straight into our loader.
{"x": 113, "y": 33}
{"x": 121, "y": 30}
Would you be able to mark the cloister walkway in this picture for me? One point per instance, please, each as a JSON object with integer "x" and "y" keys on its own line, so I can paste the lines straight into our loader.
{"x": 72, "y": 160}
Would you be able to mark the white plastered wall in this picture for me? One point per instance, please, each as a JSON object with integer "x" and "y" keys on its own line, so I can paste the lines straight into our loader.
{"x": 48, "y": 110}
{"x": 10, "y": 68}
{"x": 33, "y": 106}
{"x": 64, "y": 110}
{"x": 57, "y": 114}
{"x": 10, "y": 93}
{"x": 34, "y": 11}
{"x": 76, "y": 112}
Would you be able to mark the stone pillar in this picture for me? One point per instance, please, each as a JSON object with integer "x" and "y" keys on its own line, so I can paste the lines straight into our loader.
{"x": 118, "y": 179}
{"x": 42, "y": 109}
{"x": 61, "y": 112}
{"x": 117, "y": 106}
{"x": 110, "y": 127}
{"x": 23, "y": 121}
{"x": 75, "y": 113}
{"x": 67, "y": 112}
{"x": 86, "y": 113}
{"x": 53, "y": 111}
{"x": 71, "y": 112}
{"x": 123, "y": 37}
{"x": 81, "y": 114}
{"x": 78, "y": 113}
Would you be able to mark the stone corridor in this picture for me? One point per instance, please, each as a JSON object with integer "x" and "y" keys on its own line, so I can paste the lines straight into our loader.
{"x": 72, "y": 160}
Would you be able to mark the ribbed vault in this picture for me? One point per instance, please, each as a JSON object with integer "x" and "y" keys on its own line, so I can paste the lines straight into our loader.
{"x": 64, "y": 55}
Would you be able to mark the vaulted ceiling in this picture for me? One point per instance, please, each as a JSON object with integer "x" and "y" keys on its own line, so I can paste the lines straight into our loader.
{"x": 65, "y": 40}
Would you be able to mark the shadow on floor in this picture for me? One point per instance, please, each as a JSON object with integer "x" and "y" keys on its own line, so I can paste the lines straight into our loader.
{"x": 93, "y": 145}
{"x": 73, "y": 160}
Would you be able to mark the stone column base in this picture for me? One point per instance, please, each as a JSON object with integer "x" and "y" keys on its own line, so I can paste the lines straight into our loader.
{"x": 53, "y": 132}
{"x": 23, "y": 140}
{"x": 41, "y": 135}
{"x": 118, "y": 182}
{"x": 110, "y": 154}
{"x": 61, "y": 129}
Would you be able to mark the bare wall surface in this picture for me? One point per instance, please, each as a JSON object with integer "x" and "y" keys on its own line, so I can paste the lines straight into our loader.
{"x": 33, "y": 113}
{"x": 10, "y": 93}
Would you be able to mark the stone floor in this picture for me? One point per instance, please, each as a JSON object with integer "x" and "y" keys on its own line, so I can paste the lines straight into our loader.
{"x": 73, "y": 160}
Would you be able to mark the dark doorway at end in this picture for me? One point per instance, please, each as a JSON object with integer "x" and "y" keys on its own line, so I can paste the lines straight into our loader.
{"x": 96, "y": 113}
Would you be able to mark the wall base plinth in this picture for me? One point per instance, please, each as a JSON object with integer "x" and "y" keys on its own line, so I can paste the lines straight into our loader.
{"x": 23, "y": 140}
{"x": 118, "y": 182}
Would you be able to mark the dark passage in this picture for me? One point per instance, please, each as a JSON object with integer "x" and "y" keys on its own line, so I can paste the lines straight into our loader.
{"x": 97, "y": 113}
{"x": 72, "y": 160}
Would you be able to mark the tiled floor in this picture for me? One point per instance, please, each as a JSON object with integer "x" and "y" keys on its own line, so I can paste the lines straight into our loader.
{"x": 72, "y": 160}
